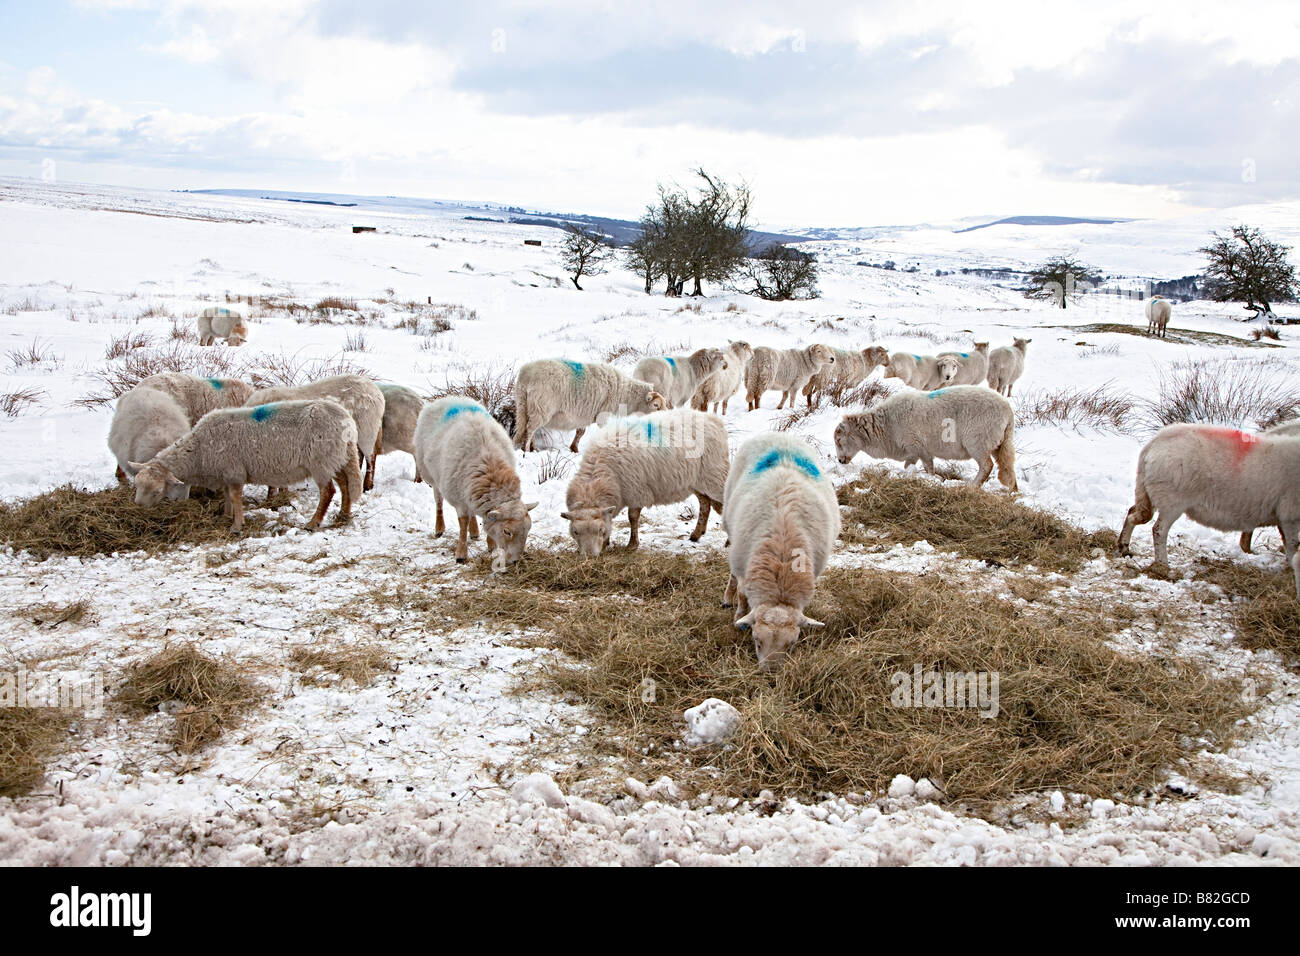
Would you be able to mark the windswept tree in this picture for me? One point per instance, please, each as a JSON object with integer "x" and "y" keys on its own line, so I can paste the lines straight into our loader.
{"x": 1247, "y": 266}
{"x": 1061, "y": 280}
{"x": 583, "y": 252}
{"x": 781, "y": 272}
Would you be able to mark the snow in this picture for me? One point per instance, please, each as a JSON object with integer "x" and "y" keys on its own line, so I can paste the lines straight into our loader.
{"x": 440, "y": 759}
{"x": 711, "y": 722}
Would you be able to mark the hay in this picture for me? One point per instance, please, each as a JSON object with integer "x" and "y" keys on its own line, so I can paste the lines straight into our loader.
{"x": 973, "y": 522}
{"x": 72, "y": 521}
{"x": 1075, "y": 713}
{"x": 28, "y": 737}
{"x": 326, "y": 666}
{"x": 1265, "y": 609}
{"x": 210, "y": 693}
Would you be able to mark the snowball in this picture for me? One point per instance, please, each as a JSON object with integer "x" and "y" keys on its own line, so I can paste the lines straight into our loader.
{"x": 1058, "y": 801}
{"x": 902, "y": 786}
{"x": 711, "y": 722}
{"x": 925, "y": 790}
{"x": 538, "y": 788}
{"x": 1102, "y": 808}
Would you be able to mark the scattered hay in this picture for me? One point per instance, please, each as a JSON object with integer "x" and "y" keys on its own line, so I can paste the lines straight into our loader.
{"x": 983, "y": 525}
{"x": 29, "y": 736}
{"x": 52, "y": 615}
{"x": 326, "y": 666}
{"x": 1265, "y": 609}
{"x": 209, "y": 693}
{"x": 1172, "y": 336}
{"x": 71, "y": 521}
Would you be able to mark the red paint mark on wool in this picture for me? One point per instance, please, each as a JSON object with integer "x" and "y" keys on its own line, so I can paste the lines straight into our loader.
{"x": 1242, "y": 443}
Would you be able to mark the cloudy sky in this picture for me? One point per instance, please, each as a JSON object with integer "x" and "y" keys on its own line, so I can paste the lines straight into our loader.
{"x": 835, "y": 113}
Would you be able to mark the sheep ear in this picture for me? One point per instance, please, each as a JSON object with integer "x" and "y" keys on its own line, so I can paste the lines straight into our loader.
{"x": 566, "y": 516}
{"x": 135, "y": 465}
{"x": 806, "y": 621}
{"x": 173, "y": 481}
{"x": 494, "y": 514}
{"x": 610, "y": 513}
{"x": 746, "y": 622}
{"x": 532, "y": 506}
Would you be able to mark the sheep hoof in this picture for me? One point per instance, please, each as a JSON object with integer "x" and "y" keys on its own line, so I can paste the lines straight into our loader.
{"x": 695, "y": 537}
{"x": 462, "y": 560}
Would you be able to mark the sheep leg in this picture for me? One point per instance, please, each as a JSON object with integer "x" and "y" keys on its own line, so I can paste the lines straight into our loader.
{"x": 986, "y": 469}
{"x": 634, "y": 519}
{"x": 1140, "y": 513}
{"x": 120, "y": 475}
{"x": 439, "y": 525}
{"x": 729, "y": 592}
{"x": 781, "y": 403}
{"x": 473, "y": 527}
{"x": 326, "y": 496}
{"x": 1289, "y": 539}
{"x": 742, "y": 603}
{"x": 1160, "y": 534}
{"x": 235, "y": 502}
{"x": 577, "y": 437}
{"x": 702, "y": 523}
{"x": 928, "y": 464}
{"x": 1244, "y": 541}
{"x": 345, "y": 490}
{"x": 462, "y": 546}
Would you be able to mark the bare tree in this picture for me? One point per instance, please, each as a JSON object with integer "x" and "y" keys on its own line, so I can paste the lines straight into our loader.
{"x": 583, "y": 252}
{"x": 1246, "y": 266}
{"x": 1061, "y": 280}
{"x": 780, "y": 272}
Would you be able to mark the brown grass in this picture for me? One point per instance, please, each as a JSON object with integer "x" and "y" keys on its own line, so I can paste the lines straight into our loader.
{"x": 975, "y": 523}
{"x": 1172, "y": 336}
{"x": 490, "y": 385}
{"x": 1265, "y": 609}
{"x": 13, "y": 404}
{"x": 29, "y": 736}
{"x": 71, "y": 521}
{"x": 1103, "y": 408}
{"x": 211, "y": 693}
{"x": 1075, "y": 713}
{"x": 122, "y": 345}
{"x": 325, "y": 666}
{"x": 52, "y": 615}
{"x": 1226, "y": 392}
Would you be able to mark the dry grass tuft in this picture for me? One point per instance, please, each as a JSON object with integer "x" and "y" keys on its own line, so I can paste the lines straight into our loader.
{"x": 71, "y": 521}
{"x": 29, "y": 736}
{"x": 490, "y": 385}
{"x": 975, "y": 523}
{"x": 1102, "y": 408}
{"x": 52, "y": 615}
{"x": 13, "y": 404}
{"x": 1265, "y": 609}
{"x": 121, "y": 346}
{"x": 1226, "y": 392}
{"x": 325, "y": 666}
{"x": 209, "y": 693}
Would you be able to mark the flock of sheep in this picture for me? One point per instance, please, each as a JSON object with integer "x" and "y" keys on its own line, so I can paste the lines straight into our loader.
{"x": 659, "y": 444}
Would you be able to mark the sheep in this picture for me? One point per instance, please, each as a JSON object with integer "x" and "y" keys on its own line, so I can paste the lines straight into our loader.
{"x": 1159, "y": 310}
{"x": 357, "y": 394}
{"x": 144, "y": 423}
{"x": 639, "y": 462}
{"x": 961, "y": 422}
{"x": 275, "y": 444}
{"x": 851, "y": 368}
{"x": 466, "y": 457}
{"x": 1286, "y": 428}
{"x": 676, "y": 377}
{"x": 918, "y": 371}
{"x": 557, "y": 393}
{"x": 198, "y": 396}
{"x": 1006, "y": 365}
{"x": 219, "y": 322}
{"x": 718, "y": 389}
{"x": 785, "y": 370}
{"x": 964, "y": 368}
{"x": 1220, "y": 477}
{"x": 781, "y": 518}
{"x": 402, "y": 408}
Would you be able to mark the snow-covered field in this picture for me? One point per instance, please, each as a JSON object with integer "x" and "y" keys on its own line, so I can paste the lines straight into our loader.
{"x": 429, "y": 762}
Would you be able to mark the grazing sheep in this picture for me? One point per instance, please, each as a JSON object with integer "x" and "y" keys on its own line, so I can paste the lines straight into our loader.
{"x": 466, "y": 457}
{"x": 918, "y": 371}
{"x": 402, "y": 408}
{"x": 1220, "y": 477}
{"x": 276, "y": 444}
{"x": 1286, "y": 428}
{"x": 851, "y": 368}
{"x": 1006, "y": 365}
{"x": 964, "y": 368}
{"x": 357, "y": 394}
{"x": 782, "y": 519}
{"x": 676, "y": 377}
{"x": 557, "y": 393}
{"x": 219, "y": 322}
{"x": 961, "y": 422}
{"x": 1159, "y": 310}
{"x": 718, "y": 389}
{"x": 198, "y": 396}
{"x": 784, "y": 370}
{"x": 144, "y": 423}
{"x": 640, "y": 462}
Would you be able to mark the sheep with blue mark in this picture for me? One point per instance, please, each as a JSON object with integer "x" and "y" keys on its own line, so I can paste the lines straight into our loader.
{"x": 964, "y": 368}
{"x": 640, "y": 462}
{"x": 563, "y": 394}
{"x": 198, "y": 396}
{"x": 276, "y": 444}
{"x": 676, "y": 377}
{"x": 222, "y": 322}
{"x": 957, "y": 423}
{"x": 850, "y": 368}
{"x": 714, "y": 393}
{"x": 916, "y": 371}
{"x": 402, "y": 407}
{"x": 781, "y": 518}
{"x": 467, "y": 459}
{"x": 784, "y": 370}
{"x": 145, "y": 422}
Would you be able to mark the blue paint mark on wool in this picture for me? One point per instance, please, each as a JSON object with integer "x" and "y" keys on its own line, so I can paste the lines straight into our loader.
{"x": 470, "y": 408}
{"x": 777, "y": 457}
{"x": 671, "y": 361}
{"x": 964, "y": 354}
{"x": 217, "y": 383}
{"x": 936, "y": 393}
{"x": 574, "y": 367}
{"x": 262, "y": 413}
{"x": 917, "y": 357}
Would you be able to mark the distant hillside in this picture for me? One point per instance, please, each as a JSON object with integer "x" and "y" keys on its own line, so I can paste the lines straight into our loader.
{"x": 1043, "y": 221}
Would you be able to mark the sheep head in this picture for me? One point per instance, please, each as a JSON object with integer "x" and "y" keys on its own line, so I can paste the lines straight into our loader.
{"x": 154, "y": 482}
{"x": 847, "y": 442}
{"x": 948, "y": 366}
{"x": 590, "y": 528}
{"x": 775, "y": 629}
{"x": 821, "y": 355}
{"x": 507, "y": 527}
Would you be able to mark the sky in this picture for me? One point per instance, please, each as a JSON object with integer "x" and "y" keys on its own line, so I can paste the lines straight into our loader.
{"x": 836, "y": 114}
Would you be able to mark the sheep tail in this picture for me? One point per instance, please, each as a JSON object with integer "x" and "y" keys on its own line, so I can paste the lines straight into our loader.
{"x": 352, "y": 471}
{"x": 1005, "y": 456}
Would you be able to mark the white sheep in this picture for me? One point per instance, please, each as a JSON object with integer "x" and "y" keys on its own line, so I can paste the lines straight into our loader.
{"x": 851, "y": 368}
{"x": 557, "y": 393}
{"x": 402, "y": 407}
{"x": 220, "y": 322}
{"x": 784, "y": 370}
{"x": 964, "y": 368}
{"x": 640, "y": 462}
{"x": 198, "y": 396}
{"x": 466, "y": 457}
{"x": 358, "y": 394}
{"x": 145, "y": 422}
{"x": 277, "y": 444}
{"x": 1291, "y": 428}
{"x": 1223, "y": 478}
{"x": 956, "y": 423}
{"x": 716, "y": 390}
{"x": 918, "y": 371}
{"x": 1006, "y": 365}
{"x": 1159, "y": 310}
{"x": 676, "y": 377}
{"x": 782, "y": 519}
